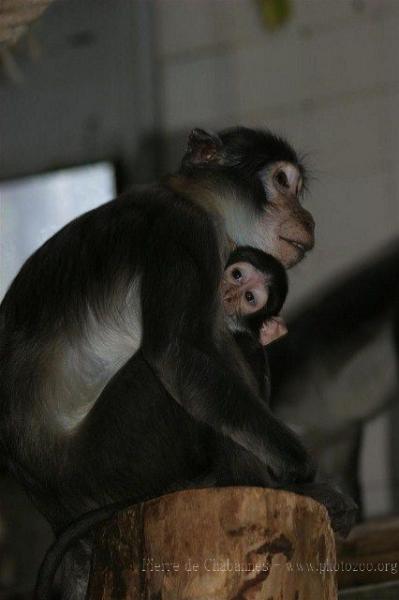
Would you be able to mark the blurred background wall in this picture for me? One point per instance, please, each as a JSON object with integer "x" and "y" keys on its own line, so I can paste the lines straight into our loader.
{"x": 328, "y": 79}
{"x": 125, "y": 81}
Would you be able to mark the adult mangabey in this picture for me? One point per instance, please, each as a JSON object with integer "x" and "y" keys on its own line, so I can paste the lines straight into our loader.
{"x": 253, "y": 288}
{"x": 116, "y": 363}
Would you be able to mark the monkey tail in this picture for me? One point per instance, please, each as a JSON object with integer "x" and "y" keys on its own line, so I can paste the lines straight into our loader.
{"x": 81, "y": 527}
{"x": 343, "y": 312}
{"x": 365, "y": 294}
{"x": 67, "y": 539}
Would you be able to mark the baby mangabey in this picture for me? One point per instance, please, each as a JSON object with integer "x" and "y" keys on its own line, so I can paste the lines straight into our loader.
{"x": 254, "y": 289}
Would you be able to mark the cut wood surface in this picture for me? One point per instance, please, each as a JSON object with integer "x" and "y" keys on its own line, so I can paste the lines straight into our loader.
{"x": 234, "y": 543}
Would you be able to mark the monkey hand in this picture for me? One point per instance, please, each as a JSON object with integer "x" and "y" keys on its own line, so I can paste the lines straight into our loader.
{"x": 290, "y": 467}
{"x": 272, "y": 329}
{"x": 342, "y": 510}
{"x": 288, "y": 460}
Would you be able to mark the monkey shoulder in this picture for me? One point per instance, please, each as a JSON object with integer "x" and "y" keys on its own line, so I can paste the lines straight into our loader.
{"x": 105, "y": 251}
{"x": 181, "y": 226}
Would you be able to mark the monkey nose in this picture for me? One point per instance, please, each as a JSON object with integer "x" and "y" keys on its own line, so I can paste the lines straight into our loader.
{"x": 228, "y": 305}
{"x": 230, "y": 300}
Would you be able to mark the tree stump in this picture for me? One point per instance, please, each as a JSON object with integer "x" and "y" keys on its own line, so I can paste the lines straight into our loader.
{"x": 236, "y": 543}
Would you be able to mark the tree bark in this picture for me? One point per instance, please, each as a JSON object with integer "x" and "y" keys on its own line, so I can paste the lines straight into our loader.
{"x": 235, "y": 543}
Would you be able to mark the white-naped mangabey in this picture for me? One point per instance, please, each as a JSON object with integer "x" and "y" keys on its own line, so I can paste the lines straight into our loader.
{"x": 119, "y": 377}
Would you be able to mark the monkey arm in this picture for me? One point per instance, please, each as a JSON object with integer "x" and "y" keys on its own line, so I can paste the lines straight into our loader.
{"x": 197, "y": 361}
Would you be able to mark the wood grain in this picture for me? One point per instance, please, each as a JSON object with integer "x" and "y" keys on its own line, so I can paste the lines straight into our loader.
{"x": 224, "y": 544}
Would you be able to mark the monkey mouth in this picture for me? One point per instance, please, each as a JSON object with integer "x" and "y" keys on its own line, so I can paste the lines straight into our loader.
{"x": 301, "y": 247}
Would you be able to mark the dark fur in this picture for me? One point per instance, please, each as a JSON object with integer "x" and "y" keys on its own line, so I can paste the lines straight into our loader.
{"x": 247, "y": 336}
{"x": 277, "y": 284}
{"x": 184, "y": 409}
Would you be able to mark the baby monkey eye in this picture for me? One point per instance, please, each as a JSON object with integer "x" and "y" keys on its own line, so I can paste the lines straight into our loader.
{"x": 236, "y": 274}
{"x": 250, "y": 297}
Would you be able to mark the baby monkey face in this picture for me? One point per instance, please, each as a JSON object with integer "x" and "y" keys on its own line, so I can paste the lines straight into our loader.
{"x": 244, "y": 289}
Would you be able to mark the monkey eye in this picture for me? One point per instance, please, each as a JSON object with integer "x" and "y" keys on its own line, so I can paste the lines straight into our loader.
{"x": 236, "y": 273}
{"x": 250, "y": 298}
{"x": 282, "y": 179}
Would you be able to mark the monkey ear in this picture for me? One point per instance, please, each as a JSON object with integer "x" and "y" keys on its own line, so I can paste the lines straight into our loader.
{"x": 272, "y": 329}
{"x": 203, "y": 148}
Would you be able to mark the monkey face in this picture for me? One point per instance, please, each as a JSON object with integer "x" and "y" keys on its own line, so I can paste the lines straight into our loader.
{"x": 257, "y": 179}
{"x": 244, "y": 289}
{"x": 286, "y": 227}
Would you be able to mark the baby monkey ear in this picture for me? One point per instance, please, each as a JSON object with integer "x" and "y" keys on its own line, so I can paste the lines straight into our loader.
{"x": 272, "y": 329}
{"x": 203, "y": 148}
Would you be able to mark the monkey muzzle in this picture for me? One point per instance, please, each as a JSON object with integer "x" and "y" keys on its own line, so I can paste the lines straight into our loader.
{"x": 230, "y": 298}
